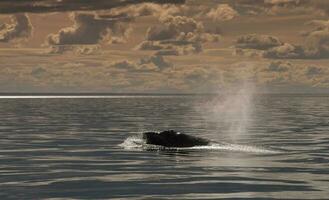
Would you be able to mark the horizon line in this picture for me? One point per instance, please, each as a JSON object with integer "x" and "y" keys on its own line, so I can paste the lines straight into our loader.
{"x": 127, "y": 95}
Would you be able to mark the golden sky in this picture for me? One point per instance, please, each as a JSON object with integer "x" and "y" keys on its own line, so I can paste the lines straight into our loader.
{"x": 176, "y": 46}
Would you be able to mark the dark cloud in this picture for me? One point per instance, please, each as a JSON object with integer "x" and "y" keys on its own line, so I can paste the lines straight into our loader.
{"x": 254, "y": 41}
{"x": 41, "y": 6}
{"x": 59, "y": 49}
{"x": 226, "y": 9}
{"x": 285, "y": 51}
{"x": 147, "y": 64}
{"x": 125, "y": 64}
{"x": 180, "y": 29}
{"x": 316, "y": 44}
{"x": 278, "y": 66}
{"x": 90, "y": 29}
{"x": 161, "y": 33}
{"x": 173, "y": 27}
{"x": 312, "y": 71}
{"x": 247, "y": 52}
{"x": 88, "y": 50}
{"x": 171, "y": 47}
{"x": 38, "y": 72}
{"x": 78, "y": 49}
{"x": 19, "y": 28}
{"x": 157, "y": 60}
{"x": 149, "y": 45}
{"x": 178, "y": 35}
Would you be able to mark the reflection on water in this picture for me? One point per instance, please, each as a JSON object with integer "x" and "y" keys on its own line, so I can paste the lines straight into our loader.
{"x": 70, "y": 148}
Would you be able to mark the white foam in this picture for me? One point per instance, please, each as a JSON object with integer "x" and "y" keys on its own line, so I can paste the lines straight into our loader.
{"x": 137, "y": 143}
{"x": 235, "y": 147}
{"x": 132, "y": 142}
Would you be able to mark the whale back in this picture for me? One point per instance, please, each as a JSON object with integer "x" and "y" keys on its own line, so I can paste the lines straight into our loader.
{"x": 172, "y": 138}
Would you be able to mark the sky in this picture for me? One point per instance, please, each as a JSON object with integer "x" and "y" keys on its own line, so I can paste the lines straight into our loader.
{"x": 173, "y": 46}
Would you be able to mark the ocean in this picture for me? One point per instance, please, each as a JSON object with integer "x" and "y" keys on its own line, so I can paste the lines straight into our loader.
{"x": 90, "y": 147}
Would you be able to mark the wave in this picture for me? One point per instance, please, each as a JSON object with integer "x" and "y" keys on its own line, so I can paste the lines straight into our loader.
{"x": 137, "y": 143}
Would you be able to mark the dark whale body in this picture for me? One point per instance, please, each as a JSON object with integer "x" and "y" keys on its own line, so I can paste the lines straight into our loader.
{"x": 172, "y": 138}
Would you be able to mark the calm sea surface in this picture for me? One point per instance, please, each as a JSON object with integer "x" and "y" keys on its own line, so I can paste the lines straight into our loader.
{"x": 90, "y": 148}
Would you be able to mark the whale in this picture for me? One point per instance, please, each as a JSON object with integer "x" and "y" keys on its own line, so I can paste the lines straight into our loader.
{"x": 171, "y": 138}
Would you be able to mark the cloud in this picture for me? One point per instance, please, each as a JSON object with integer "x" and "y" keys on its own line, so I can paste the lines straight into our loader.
{"x": 180, "y": 29}
{"x": 59, "y": 49}
{"x": 147, "y": 64}
{"x": 194, "y": 78}
{"x": 135, "y": 67}
{"x": 173, "y": 27}
{"x": 313, "y": 71}
{"x": 77, "y": 49}
{"x": 223, "y": 12}
{"x": 154, "y": 74}
{"x": 90, "y": 29}
{"x": 158, "y": 61}
{"x": 247, "y": 52}
{"x": 319, "y": 24}
{"x": 276, "y": 2}
{"x": 254, "y": 41}
{"x": 285, "y": 51}
{"x": 125, "y": 64}
{"x": 317, "y": 41}
{"x": 19, "y": 28}
{"x": 88, "y": 50}
{"x": 38, "y": 72}
{"x": 278, "y": 66}
{"x": 150, "y": 45}
{"x": 147, "y": 9}
{"x": 161, "y": 33}
{"x": 316, "y": 44}
{"x": 197, "y": 75}
{"x": 281, "y": 7}
{"x": 173, "y": 48}
{"x": 321, "y": 5}
{"x": 178, "y": 35}
{"x": 291, "y": 76}
{"x": 37, "y": 6}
